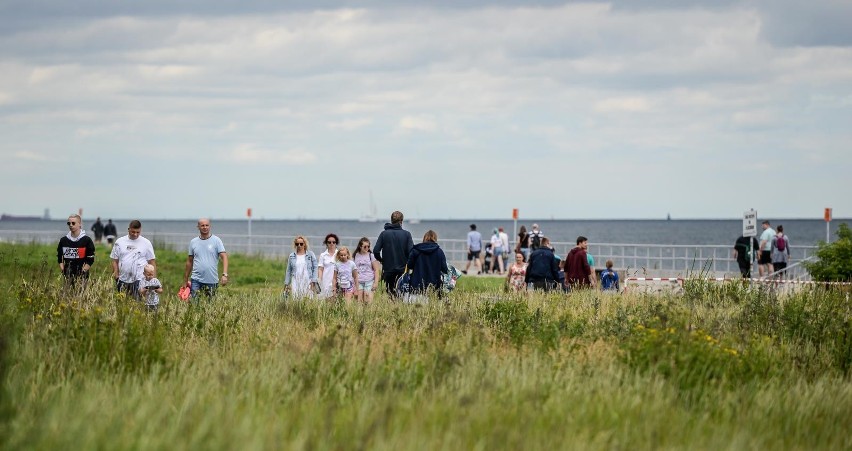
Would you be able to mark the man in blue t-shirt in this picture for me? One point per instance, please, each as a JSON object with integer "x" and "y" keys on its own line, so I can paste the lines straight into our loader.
{"x": 474, "y": 248}
{"x": 202, "y": 262}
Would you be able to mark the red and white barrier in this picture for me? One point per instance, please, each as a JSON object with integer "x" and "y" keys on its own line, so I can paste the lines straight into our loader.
{"x": 675, "y": 284}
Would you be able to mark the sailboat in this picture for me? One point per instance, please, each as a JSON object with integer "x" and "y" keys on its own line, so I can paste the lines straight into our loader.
{"x": 372, "y": 215}
{"x": 416, "y": 219}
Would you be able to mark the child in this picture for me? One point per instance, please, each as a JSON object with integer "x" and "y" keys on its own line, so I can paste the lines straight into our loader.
{"x": 345, "y": 274}
{"x": 368, "y": 271}
{"x": 609, "y": 278}
{"x": 150, "y": 288}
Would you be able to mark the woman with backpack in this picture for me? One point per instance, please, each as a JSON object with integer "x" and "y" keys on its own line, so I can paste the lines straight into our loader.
{"x": 780, "y": 250}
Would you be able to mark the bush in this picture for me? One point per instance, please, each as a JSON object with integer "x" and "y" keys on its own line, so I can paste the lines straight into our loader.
{"x": 835, "y": 259}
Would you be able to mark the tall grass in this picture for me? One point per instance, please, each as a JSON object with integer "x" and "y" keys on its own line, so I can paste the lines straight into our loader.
{"x": 719, "y": 367}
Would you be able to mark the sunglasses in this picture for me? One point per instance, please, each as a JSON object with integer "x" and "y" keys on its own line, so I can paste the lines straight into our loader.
{"x": 71, "y": 223}
{"x": 300, "y": 244}
{"x": 331, "y": 242}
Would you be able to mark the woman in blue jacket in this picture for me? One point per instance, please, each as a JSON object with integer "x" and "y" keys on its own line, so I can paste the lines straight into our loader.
{"x": 300, "y": 280}
{"x": 428, "y": 264}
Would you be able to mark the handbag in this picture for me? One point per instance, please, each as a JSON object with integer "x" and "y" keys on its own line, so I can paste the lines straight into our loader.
{"x": 403, "y": 284}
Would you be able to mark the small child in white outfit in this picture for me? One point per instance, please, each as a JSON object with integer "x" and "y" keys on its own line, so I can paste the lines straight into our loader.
{"x": 150, "y": 288}
{"x": 345, "y": 273}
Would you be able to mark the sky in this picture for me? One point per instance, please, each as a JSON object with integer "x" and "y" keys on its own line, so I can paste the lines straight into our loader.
{"x": 446, "y": 109}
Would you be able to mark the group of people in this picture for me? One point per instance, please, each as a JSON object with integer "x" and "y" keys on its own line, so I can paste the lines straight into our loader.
{"x": 772, "y": 251}
{"x": 536, "y": 265}
{"x": 337, "y": 271}
{"x": 496, "y": 250}
{"x": 340, "y": 272}
{"x": 133, "y": 261}
{"x": 545, "y": 271}
{"x": 102, "y": 231}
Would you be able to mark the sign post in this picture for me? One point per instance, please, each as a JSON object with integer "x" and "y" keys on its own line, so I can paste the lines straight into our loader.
{"x": 827, "y": 222}
{"x": 514, "y": 231}
{"x": 750, "y": 231}
{"x": 248, "y": 213}
{"x": 750, "y": 223}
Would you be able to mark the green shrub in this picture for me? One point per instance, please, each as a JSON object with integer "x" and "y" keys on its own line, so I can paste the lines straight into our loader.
{"x": 835, "y": 259}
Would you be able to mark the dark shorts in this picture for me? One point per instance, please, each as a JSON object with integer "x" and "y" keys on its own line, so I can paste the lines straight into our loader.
{"x": 765, "y": 258}
{"x": 390, "y": 278}
{"x": 778, "y": 266}
{"x": 471, "y": 255}
{"x": 131, "y": 289}
{"x": 544, "y": 284}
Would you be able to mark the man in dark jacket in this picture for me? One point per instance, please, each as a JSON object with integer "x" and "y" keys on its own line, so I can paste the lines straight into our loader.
{"x": 98, "y": 228}
{"x": 75, "y": 252}
{"x": 578, "y": 273}
{"x": 391, "y": 250}
{"x": 110, "y": 232}
{"x": 542, "y": 269}
{"x": 428, "y": 264}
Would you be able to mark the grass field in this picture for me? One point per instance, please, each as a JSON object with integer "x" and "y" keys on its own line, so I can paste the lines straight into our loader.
{"x": 720, "y": 367}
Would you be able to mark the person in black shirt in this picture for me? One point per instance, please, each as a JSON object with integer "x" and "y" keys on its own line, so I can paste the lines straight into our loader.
{"x": 110, "y": 232}
{"x": 75, "y": 252}
{"x": 98, "y": 229}
{"x": 744, "y": 255}
{"x": 392, "y": 250}
{"x": 543, "y": 269}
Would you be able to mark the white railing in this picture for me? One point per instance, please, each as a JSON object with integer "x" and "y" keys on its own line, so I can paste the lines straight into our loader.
{"x": 657, "y": 260}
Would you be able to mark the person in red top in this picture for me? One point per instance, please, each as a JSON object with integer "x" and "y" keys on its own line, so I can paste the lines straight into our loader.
{"x": 578, "y": 273}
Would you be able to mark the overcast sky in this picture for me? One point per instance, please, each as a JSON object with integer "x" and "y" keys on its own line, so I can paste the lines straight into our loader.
{"x": 461, "y": 109}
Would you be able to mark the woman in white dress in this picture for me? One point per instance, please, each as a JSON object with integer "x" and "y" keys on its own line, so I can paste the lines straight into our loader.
{"x": 326, "y": 266}
{"x": 300, "y": 280}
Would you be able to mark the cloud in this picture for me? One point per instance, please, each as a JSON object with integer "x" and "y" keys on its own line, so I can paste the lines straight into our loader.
{"x": 350, "y": 124}
{"x": 27, "y": 155}
{"x": 683, "y": 83}
{"x": 251, "y": 154}
{"x": 417, "y": 123}
{"x": 624, "y": 104}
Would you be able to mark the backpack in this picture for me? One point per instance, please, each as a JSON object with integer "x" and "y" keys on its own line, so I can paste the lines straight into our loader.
{"x": 608, "y": 279}
{"x": 781, "y": 243}
{"x": 535, "y": 241}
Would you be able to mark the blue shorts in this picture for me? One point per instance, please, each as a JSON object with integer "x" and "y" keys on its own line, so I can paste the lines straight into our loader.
{"x": 365, "y": 286}
{"x": 209, "y": 289}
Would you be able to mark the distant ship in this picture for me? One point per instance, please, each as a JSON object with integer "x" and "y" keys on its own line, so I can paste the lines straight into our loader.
{"x": 372, "y": 215}
{"x": 668, "y": 217}
{"x": 45, "y": 217}
{"x": 5, "y": 217}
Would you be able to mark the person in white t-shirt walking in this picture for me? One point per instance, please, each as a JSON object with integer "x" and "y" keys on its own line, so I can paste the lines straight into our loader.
{"x": 129, "y": 256}
{"x": 504, "y": 237}
{"x": 202, "y": 262}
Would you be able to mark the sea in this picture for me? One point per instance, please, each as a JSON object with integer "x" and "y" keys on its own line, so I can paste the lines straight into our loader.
{"x": 801, "y": 232}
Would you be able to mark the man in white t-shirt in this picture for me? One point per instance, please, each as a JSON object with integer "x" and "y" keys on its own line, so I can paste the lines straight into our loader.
{"x": 764, "y": 261}
{"x": 504, "y": 237}
{"x": 129, "y": 256}
{"x": 202, "y": 262}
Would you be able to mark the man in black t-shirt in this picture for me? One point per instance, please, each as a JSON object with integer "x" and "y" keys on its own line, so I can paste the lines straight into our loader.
{"x": 75, "y": 253}
{"x": 744, "y": 255}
